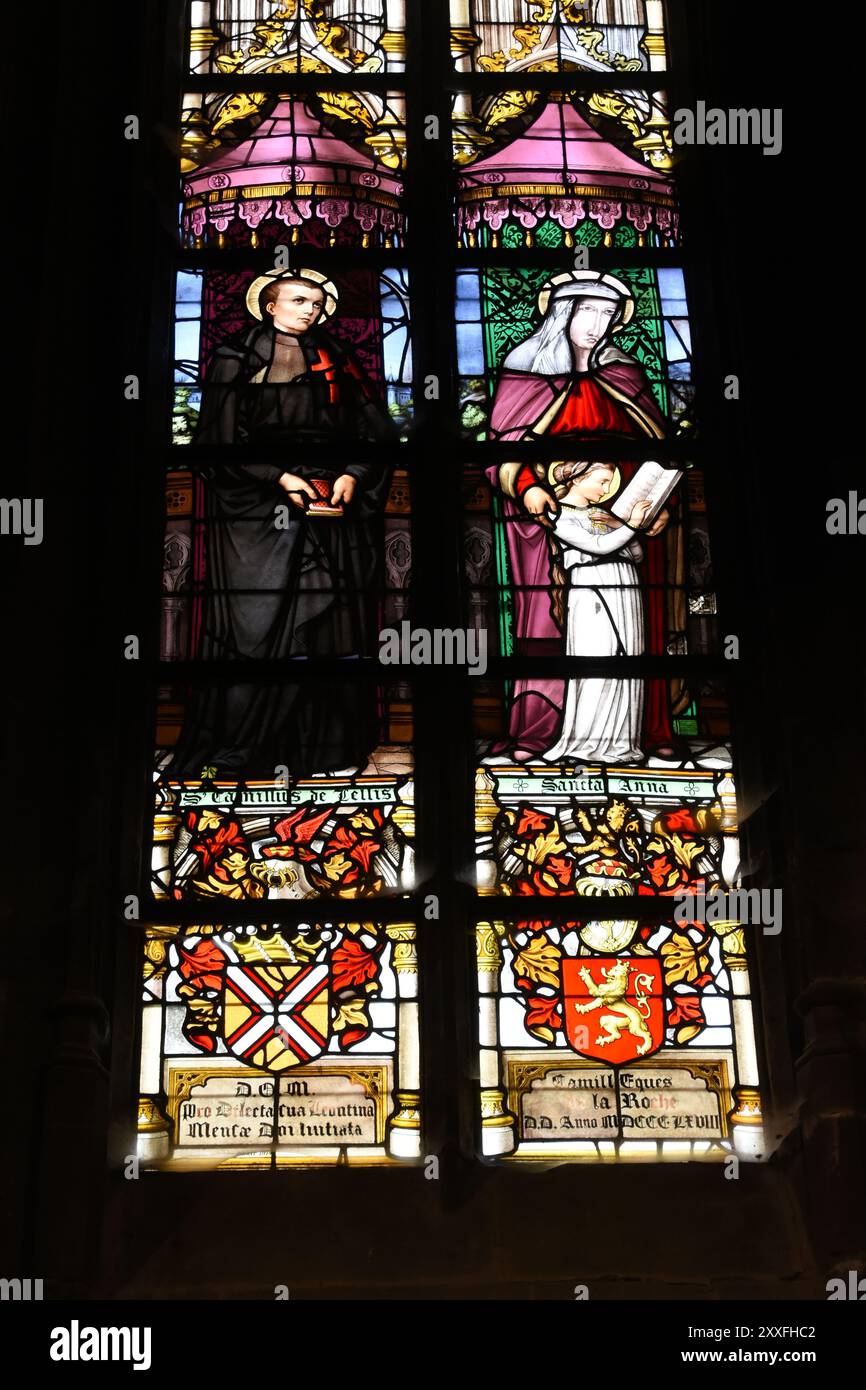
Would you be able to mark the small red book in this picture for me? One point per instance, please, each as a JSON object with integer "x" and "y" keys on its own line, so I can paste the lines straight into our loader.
{"x": 324, "y": 507}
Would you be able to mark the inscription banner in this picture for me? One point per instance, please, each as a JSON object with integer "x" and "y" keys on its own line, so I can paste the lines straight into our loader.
{"x": 316, "y": 1106}
{"x": 266, "y": 799}
{"x": 694, "y": 786}
{"x": 575, "y": 1100}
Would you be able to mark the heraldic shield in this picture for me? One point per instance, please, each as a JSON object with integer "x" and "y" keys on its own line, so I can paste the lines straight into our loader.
{"x": 276, "y": 1011}
{"x": 614, "y": 1006}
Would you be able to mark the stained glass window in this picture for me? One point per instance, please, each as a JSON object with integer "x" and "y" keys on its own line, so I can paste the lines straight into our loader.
{"x": 283, "y": 759}
{"x": 344, "y": 458}
{"x": 616, "y": 1031}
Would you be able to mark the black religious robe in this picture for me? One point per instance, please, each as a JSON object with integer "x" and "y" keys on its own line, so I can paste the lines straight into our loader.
{"x": 305, "y": 588}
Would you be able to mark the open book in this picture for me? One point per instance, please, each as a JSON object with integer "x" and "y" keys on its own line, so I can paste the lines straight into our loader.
{"x": 651, "y": 482}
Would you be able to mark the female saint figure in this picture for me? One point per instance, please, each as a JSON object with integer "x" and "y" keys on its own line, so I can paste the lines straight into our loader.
{"x": 569, "y": 379}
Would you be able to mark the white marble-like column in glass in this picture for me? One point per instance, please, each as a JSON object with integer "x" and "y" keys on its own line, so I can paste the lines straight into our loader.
{"x": 654, "y": 42}
{"x": 497, "y": 1126}
{"x": 404, "y": 1130}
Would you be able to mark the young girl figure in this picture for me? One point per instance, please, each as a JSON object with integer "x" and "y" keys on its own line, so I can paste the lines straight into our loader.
{"x": 602, "y": 718}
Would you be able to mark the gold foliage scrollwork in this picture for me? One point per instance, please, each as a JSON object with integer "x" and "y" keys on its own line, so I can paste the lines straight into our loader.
{"x": 571, "y": 11}
{"x": 616, "y": 107}
{"x": 345, "y": 106}
{"x": 269, "y": 37}
{"x": 156, "y": 952}
{"x": 488, "y": 951}
{"x": 528, "y": 39}
{"x": 650, "y": 132}
{"x": 509, "y": 106}
{"x": 333, "y": 37}
{"x": 267, "y": 53}
{"x": 271, "y": 34}
{"x": 240, "y": 106}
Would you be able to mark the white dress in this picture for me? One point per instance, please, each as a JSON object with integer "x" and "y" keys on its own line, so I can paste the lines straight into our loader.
{"x": 602, "y": 718}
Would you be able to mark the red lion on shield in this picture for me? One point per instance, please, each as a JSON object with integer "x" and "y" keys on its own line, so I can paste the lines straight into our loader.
{"x": 631, "y": 1010}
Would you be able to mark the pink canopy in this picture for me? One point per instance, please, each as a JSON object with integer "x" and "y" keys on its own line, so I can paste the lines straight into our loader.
{"x": 563, "y": 169}
{"x": 291, "y": 168}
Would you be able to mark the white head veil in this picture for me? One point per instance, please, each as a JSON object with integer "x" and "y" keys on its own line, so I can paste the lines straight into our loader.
{"x": 548, "y": 351}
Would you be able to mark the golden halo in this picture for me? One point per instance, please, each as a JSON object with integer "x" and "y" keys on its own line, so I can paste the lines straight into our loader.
{"x": 575, "y": 276}
{"x": 615, "y": 482}
{"x": 314, "y": 277}
{"x": 615, "y": 485}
